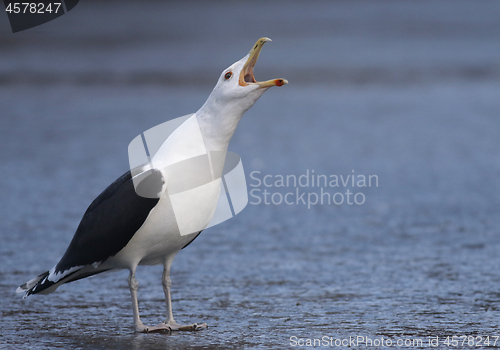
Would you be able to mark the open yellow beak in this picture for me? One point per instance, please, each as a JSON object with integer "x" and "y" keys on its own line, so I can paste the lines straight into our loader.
{"x": 246, "y": 75}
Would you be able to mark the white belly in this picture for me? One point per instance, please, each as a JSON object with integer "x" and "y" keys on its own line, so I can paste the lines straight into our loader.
{"x": 159, "y": 237}
{"x": 178, "y": 217}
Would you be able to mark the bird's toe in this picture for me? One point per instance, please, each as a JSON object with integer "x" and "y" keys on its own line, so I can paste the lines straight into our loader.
{"x": 188, "y": 327}
{"x": 199, "y": 326}
{"x": 162, "y": 327}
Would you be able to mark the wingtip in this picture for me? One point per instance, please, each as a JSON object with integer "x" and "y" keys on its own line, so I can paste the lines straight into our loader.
{"x": 23, "y": 290}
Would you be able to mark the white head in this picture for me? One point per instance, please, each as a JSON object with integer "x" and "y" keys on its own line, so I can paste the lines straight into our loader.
{"x": 236, "y": 91}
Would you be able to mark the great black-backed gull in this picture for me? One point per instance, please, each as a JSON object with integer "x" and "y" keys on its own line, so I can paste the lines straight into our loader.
{"x": 121, "y": 229}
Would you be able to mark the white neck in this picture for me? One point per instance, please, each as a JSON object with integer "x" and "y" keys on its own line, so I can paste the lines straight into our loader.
{"x": 218, "y": 118}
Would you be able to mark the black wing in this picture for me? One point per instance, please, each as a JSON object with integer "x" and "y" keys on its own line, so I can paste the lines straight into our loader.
{"x": 108, "y": 224}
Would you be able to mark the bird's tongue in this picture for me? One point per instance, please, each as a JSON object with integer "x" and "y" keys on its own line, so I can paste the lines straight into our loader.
{"x": 248, "y": 75}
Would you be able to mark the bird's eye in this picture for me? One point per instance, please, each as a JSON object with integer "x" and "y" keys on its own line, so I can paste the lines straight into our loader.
{"x": 228, "y": 75}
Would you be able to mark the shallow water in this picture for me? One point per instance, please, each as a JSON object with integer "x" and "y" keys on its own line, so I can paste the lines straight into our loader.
{"x": 409, "y": 93}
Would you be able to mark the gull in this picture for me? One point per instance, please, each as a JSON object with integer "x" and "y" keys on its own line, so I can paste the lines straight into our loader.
{"x": 122, "y": 229}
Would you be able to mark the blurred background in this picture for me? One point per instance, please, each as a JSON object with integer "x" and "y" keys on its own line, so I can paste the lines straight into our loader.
{"x": 405, "y": 90}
